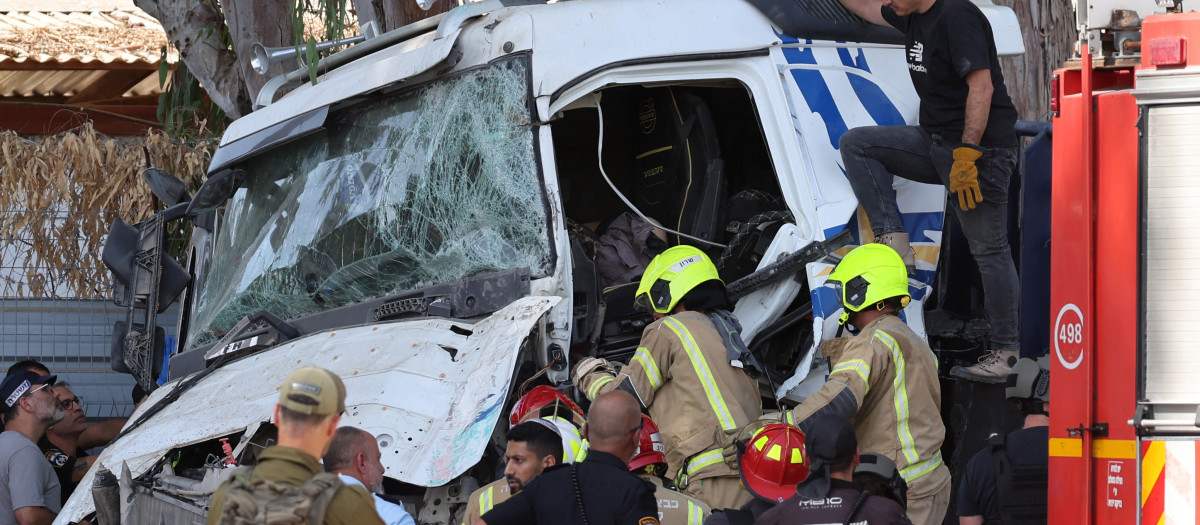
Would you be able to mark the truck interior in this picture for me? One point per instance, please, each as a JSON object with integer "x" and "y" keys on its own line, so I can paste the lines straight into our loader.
{"x": 690, "y": 160}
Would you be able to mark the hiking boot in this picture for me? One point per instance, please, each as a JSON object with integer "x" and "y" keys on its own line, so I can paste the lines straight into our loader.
{"x": 899, "y": 241}
{"x": 993, "y": 367}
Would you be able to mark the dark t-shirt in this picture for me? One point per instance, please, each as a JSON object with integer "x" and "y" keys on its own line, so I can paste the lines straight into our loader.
{"x": 63, "y": 463}
{"x": 611, "y": 494}
{"x": 942, "y": 45}
{"x": 977, "y": 490}
{"x": 875, "y": 510}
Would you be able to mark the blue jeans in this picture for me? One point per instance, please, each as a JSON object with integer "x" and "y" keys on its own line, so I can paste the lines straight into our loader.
{"x": 873, "y": 154}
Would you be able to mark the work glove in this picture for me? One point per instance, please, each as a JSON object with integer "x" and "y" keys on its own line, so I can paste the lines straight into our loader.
{"x": 731, "y": 440}
{"x": 964, "y": 177}
{"x": 587, "y": 366}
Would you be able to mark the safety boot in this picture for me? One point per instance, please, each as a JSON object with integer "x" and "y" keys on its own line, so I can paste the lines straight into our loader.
{"x": 993, "y": 367}
{"x": 899, "y": 241}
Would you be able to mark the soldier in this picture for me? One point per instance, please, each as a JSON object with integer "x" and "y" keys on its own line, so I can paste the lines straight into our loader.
{"x": 288, "y": 480}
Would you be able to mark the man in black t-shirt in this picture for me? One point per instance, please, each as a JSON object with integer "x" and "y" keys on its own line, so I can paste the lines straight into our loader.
{"x": 1006, "y": 482}
{"x": 965, "y": 141}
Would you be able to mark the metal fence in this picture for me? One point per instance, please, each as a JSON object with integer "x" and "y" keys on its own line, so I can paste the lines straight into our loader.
{"x": 55, "y": 305}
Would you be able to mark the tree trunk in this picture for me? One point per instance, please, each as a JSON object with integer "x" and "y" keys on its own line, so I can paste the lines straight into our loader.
{"x": 195, "y": 29}
{"x": 269, "y": 23}
{"x": 391, "y": 14}
{"x": 1048, "y": 29}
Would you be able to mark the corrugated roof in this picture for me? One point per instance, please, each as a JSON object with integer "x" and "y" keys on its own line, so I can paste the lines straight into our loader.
{"x": 79, "y": 57}
{"x": 87, "y": 38}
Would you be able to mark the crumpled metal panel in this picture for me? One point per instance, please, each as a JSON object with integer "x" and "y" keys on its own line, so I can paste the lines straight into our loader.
{"x": 431, "y": 390}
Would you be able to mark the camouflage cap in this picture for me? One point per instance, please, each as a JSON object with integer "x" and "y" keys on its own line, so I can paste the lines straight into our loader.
{"x": 313, "y": 390}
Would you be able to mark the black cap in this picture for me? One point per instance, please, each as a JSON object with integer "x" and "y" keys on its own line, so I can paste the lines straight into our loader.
{"x": 19, "y": 382}
{"x": 829, "y": 441}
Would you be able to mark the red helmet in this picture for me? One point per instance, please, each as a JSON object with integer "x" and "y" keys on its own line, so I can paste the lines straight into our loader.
{"x": 650, "y": 446}
{"x": 545, "y": 401}
{"x": 772, "y": 461}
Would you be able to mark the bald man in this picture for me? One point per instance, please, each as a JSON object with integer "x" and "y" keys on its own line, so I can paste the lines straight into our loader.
{"x": 601, "y": 487}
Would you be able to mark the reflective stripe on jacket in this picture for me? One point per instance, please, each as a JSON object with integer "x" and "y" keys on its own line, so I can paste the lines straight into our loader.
{"x": 893, "y": 375}
{"x": 676, "y": 508}
{"x": 681, "y": 373}
{"x": 484, "y": 499}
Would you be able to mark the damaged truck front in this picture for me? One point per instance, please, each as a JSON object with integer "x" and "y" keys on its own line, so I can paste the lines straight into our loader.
{"x": 428, "y": 219}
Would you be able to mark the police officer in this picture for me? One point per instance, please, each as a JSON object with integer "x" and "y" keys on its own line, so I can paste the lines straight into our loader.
{"x": 772, "y": 463}
{"x": 828, "y": 495}
{"x": 1007, "y": 480}
{"x": 884, "y": 380}
{"x": 600, "y": 489}
{"x": 692, "y": 372}
{"x": 649, "y": 463}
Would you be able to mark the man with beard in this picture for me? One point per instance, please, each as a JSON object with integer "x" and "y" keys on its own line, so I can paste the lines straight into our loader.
{"x": 532, "y": 448}
{"x": 61, "y": 445}
{"x": 354, "y": 456}
{"x": 97, "y": 434}
{"x": 29, "y": 490}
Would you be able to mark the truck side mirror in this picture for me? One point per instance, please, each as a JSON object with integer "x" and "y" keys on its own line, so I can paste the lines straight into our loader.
{"x": 168, "y": 188}
{"x": 217, "y": 189}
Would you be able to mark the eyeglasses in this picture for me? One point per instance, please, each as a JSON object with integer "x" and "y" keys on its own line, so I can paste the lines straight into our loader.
{"x": 34, "y": 390}
{"x": 641, "y": 423}
{"x": 66, "y": 403}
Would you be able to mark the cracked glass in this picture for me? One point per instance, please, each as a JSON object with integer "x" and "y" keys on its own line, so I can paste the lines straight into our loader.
{"x": 423, "y": 187}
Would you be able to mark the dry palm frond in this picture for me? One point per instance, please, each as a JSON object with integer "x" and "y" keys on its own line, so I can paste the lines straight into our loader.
{"x": 60, "y": 194}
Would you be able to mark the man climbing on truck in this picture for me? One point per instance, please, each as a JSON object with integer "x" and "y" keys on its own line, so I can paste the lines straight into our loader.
{"x": 965, "y": 140}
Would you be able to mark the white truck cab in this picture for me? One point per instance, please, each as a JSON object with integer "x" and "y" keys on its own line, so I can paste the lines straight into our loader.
{"x": 424, "y": 220}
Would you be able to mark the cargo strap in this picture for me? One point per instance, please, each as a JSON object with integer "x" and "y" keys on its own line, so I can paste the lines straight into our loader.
{"x": 693, "y": 465}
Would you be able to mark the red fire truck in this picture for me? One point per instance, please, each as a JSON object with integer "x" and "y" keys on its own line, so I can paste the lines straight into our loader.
{"x": 1125, "y": 280}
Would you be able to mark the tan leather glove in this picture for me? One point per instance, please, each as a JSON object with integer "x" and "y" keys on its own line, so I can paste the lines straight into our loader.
{"x": 964, "y": 177}
{"x": 729, "y": 439}
{"x": 587, "y": 366}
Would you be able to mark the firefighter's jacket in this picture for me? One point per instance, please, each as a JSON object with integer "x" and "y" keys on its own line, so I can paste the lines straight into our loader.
{"x": 676, "y": 508}
{"x": 884, "y": 380}
{"x": 482, "y": 500}
{"x": 681, "y": 373}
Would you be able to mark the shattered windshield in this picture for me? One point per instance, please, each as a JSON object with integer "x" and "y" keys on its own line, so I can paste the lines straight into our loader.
{"x": 422, "y": 187}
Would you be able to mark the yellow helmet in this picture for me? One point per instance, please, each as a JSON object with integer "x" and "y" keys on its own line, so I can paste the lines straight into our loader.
{"x": 672, "y": 275}
{"x": 867, "y": 275}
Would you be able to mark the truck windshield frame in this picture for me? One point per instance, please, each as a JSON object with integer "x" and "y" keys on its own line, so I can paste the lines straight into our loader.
{"x": 408, "y": 189}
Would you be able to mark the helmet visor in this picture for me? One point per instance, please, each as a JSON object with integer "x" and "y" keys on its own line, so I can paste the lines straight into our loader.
{"x": 836, "y": 286}
{"x": 642, "y": 303}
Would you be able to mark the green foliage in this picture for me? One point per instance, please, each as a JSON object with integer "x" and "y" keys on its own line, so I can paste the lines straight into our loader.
{"x": 185, "y": 111}
{"x": 336, "y": 21}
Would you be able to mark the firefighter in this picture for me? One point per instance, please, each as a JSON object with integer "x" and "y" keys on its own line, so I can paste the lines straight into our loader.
{"x": 965, "y": 141}
{"x": 771, "y": 462}
{"x": 1007, "y": 481}
{"x": 884, "y": 379}
{"x": 692, "y": 371}
{"x": 828, "y": 495}
{"x": 546, "y": 401}
{"x": 649, "y": 463}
